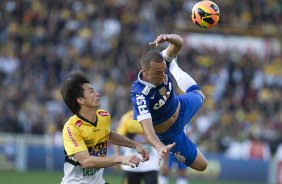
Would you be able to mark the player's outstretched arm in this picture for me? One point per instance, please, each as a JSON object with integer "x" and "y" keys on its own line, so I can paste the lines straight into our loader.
{"x": 152, "y": 138}
{"x": 120, "y": 140}
{"x": 87, "y": 161}
{"x": 175, "y": 44}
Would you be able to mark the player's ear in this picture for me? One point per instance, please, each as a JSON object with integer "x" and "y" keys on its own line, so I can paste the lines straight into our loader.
{"x": 80, "y": 100}
{"x": 145, "y": 70}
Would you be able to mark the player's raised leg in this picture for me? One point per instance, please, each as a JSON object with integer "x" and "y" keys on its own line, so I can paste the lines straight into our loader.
{"x": 200, "y": 163}
{"x": 185, "y": 82}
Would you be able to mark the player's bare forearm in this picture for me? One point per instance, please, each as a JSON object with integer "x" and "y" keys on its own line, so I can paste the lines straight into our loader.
{"x": 100, "y": 162}
{"x": 150, "y": 135}
{"x": 152, "y": 138}
{"x": 175, "y": 45}
{"x": 120, "y": 140}
{"x": 87, "y": 161}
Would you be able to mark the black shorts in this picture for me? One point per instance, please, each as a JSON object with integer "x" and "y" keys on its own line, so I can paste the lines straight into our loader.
{"x": 149, "y": 177}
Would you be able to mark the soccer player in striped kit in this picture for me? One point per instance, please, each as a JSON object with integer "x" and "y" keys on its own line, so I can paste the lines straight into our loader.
{"x": 87, "y": 133}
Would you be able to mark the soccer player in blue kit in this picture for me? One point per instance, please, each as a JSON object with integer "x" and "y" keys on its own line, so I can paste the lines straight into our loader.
{"x": 161, "y": 113}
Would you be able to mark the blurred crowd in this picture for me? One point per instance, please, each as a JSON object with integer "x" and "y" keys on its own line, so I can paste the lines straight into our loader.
{"x": 42, "y": 41}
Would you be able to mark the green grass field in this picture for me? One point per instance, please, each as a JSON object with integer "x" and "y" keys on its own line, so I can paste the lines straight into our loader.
{"x": 40, "y": 177}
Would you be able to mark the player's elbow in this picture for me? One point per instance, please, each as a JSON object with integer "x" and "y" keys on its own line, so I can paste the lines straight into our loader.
{"x": 86, "y": 165}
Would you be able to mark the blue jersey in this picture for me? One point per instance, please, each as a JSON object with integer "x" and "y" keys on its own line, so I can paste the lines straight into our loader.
{"x": 156, "y": 102}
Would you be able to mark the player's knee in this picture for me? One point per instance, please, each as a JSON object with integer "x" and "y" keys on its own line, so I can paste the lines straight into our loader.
{"x": 203, "y": 166}
{"x": 200, "y": 166}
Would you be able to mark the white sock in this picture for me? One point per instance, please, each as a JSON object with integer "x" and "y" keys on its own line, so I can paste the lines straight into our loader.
{"x": 182, "y": 181}
{"x": 183, "y": 80}
{"x": 163, "y": 179}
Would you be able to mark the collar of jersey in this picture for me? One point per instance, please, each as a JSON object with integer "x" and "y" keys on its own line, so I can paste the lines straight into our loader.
{"x": 144, "y": 82}
{"x": 86, "y": 120}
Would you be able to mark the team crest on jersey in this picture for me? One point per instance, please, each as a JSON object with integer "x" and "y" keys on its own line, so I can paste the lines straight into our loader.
{"x": 146, "y": 90}
{"x": 162, "y": 91}
{"x": 179, "y": 157}
{"x": 103, "y": 113}
{"x": 78, "y": 123}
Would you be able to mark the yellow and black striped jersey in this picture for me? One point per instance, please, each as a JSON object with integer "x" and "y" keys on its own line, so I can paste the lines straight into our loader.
{"x": 79, "y": 134}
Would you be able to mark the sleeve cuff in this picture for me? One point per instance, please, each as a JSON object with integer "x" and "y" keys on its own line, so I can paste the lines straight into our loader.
{"x": 144, "y": 116}
{"x": 166, "y": 57}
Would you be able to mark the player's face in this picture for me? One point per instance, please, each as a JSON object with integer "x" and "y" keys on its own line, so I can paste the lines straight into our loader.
{"x": 91, "y": 97}
{"x": 156, "y": 73}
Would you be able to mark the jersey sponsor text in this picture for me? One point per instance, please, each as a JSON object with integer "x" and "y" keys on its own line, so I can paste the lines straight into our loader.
{"x": 141, "y": 103}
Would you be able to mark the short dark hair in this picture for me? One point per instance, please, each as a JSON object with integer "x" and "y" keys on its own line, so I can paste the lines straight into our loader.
{"x": 151, "y": 56}
{"x": 71, "y": 89}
